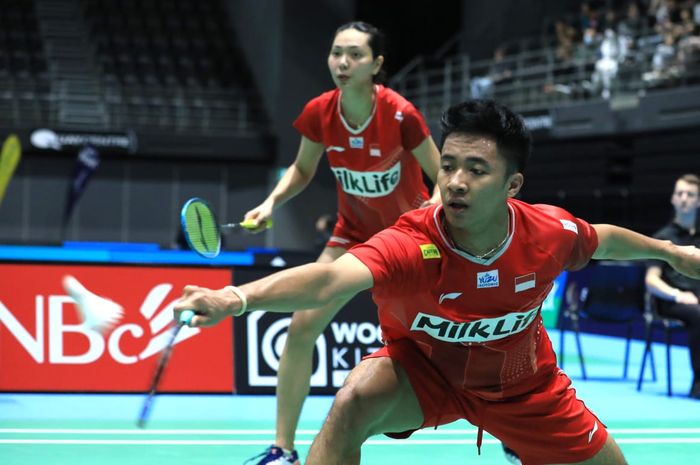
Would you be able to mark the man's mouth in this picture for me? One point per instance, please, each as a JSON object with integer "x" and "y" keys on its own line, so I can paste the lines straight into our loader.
{"x": 456, "y": 206}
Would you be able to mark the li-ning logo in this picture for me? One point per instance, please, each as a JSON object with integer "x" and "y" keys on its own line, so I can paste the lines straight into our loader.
{"x": 368, "y": 183}
{"x": 484, "y": 330}
{"x": 449, "y": 296}
{"x": 592, "y": 432}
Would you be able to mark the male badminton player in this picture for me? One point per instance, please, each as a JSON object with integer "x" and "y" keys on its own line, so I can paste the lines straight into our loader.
{"x": 459, "y": 287}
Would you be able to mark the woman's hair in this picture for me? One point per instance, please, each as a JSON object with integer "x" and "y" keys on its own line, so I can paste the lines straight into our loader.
{"x": 376, "y": 42}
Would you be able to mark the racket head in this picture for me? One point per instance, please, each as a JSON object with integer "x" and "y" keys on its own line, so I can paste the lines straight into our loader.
{"x": 200, "y": 228}
{"x": 9, "y": 159}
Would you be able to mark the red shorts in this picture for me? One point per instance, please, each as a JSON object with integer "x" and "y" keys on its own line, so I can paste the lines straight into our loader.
{"x": 548, "y": 425}
{"x": 345, "y": 236}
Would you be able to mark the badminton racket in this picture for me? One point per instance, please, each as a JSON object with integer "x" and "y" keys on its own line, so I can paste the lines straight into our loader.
{"x": 202, "y": 231}
{"x": 9, "y": 159}
{"x": 185, "y": 318}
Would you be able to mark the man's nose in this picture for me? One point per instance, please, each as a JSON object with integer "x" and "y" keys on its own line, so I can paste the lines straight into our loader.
{"x": 457, "y": 182}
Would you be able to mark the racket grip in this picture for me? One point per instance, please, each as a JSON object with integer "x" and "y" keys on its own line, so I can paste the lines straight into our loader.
{"x": 186, "y": 316}
{"x": 251, "y": 224}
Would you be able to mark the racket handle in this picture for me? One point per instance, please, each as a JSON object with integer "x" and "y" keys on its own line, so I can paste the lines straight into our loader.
{"x": 252, "y": 224}
{"x": 186, "y": 316}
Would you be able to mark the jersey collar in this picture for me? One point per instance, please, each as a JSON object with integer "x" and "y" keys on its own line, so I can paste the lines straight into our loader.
{"x": 438, "y": 219}
{"x": 364, "y": 125}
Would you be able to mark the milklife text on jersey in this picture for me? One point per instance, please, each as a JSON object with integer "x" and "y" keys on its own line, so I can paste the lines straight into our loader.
{"x": 483, "y": 330}
{"x": 368, "y": 183}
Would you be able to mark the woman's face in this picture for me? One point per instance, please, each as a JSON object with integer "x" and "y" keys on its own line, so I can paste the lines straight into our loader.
{"x": 351, "y": 61}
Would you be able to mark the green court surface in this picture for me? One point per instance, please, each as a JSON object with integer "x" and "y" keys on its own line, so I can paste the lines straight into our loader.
{"x": 97, "y": 429}
{"x": 200, "y": 443}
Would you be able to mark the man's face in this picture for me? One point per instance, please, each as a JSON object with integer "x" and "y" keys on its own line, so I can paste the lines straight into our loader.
{"x": 685, "y": 198}
{"x": 472, "y": 179}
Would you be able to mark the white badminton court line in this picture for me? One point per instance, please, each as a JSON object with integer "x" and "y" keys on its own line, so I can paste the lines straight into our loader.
{"x": 303, "y": 432}
{"x": 651, "y": 436}
{"x": 243, "y": 442}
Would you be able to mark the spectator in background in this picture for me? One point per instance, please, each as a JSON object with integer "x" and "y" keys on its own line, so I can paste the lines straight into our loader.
{"x": 566, "y": 37}
{"x": 689, "y": 56}
{"x": 685, "y": 25}
{"x": 607, "y": 65}
{"x": 584, "y": 17}
{"x": 632, "y": 25}
{"x": 663, "y": 63}
{"x": 588, "y": 23}
{"x": 501, "y": 72}
{"x": 609, "y": 20}
{"x": 679, "y": 297}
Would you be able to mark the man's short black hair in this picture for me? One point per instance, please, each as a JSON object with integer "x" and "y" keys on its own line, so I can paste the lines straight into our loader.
{"x": 488, "y": 118}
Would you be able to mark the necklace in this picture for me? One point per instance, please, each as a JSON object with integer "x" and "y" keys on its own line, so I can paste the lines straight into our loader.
{"x": 490, "y": 252}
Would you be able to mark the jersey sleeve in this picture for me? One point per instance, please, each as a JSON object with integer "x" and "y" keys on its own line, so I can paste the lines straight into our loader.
{"x": 308, "y": 123}
{"x": 414, "y": 130}
{"x": 584, "y": 247}
{"x": 394, "y": 259}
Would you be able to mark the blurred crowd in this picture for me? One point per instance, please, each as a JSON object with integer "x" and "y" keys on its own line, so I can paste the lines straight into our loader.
{"x": 653, "y": 43}
{"x": 668, "y": 31}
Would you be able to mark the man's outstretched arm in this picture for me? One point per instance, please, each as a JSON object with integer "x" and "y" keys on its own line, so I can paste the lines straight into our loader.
{"x": 616, "y": 243}
{"x": 302, "y": 287}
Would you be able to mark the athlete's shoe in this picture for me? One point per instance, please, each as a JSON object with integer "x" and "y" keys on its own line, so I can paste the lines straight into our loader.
{"x": 274, "y": 455}
{"x": 511, "y": 456}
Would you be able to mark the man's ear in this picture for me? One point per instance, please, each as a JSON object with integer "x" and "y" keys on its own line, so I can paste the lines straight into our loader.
{"x": 515, "y": 183}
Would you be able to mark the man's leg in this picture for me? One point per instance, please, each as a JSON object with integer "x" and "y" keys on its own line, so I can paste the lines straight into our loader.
{"x": 377, "y": 397}
{"x": 293, "y": 376}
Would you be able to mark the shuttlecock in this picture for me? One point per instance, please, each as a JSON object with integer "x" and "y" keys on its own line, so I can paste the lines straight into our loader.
{"x": 95, "y": 311}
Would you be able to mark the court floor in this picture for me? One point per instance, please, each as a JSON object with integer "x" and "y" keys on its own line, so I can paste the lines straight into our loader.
{"x": 73, "y": 429}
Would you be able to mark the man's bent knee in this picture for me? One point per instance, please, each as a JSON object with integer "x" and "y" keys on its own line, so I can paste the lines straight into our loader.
{"x": 353, "y": 412}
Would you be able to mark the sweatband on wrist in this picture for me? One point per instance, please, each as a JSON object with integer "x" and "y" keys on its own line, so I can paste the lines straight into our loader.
{"x": 241, "y": 296}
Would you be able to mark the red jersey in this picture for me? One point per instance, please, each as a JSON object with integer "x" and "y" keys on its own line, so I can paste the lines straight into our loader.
{"x": 477, "y": 320}
{"x": 378, "y": 178}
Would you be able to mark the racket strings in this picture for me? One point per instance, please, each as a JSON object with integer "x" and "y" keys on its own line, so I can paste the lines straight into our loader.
{"x": 202, "y": 229}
